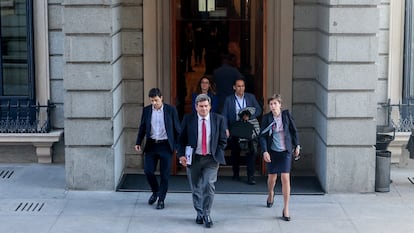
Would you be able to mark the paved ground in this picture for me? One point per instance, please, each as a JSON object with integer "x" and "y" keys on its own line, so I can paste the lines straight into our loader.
{"x": 33, "y": 199}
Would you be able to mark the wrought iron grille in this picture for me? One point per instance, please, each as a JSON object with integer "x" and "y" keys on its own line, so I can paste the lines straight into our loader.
{"x": 400, "y": 116}
{"x": 25, "y": 117}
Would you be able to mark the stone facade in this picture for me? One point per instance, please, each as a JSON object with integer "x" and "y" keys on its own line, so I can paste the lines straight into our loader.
{"x": 96, "y": 48}
{"x": 336, "y": 49}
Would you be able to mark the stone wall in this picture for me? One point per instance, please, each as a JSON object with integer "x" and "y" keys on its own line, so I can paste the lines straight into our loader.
{"x": 335, "y": 72}
{"x": 88, "y": 50}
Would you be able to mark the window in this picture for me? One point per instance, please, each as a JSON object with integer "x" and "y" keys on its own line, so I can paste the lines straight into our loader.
{"x": 16, "y": 60}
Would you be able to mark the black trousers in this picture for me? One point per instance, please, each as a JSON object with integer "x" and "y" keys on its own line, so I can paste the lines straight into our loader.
{"x": 250, "y": 157}
{"x": 154, "y": 153}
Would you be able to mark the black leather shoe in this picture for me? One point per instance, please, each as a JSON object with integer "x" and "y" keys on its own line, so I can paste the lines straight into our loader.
{"x": 269, "y": 204}
{"x": 251, "y": 180}
{"x": 286, "y": 218}
{"x": 199, "y": 219}
{"x": 160, "y": 205}
{"x": 153, "y": 198}
{"x": 207, "y": 221}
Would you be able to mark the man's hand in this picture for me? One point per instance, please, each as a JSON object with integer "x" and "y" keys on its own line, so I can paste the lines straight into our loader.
{"x": 138, "y": 148}
{"x": 183, "y": 161}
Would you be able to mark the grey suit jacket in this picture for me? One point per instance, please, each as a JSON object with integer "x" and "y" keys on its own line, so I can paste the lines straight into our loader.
{"x": 189, "y": 135}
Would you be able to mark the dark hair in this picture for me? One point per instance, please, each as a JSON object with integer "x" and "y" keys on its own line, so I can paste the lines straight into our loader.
{"x": 154, "y": 92}
{"x": 239, "y": 79}
{"x": 212, "y": 88}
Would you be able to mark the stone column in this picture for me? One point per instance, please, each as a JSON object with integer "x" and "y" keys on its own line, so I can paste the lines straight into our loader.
{"x": 88, "y": 110}
{"x": 345, "y": 106}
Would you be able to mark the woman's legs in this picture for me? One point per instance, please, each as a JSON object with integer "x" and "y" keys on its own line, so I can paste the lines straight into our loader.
{"x": 286, "y": 192}
{"x": 271, "y": 182}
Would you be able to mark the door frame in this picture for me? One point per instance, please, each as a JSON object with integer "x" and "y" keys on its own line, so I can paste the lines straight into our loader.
{"x": 277, "y": 49}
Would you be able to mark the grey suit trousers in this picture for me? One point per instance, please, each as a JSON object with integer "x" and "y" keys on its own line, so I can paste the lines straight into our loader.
{"x": 202, "y": 175}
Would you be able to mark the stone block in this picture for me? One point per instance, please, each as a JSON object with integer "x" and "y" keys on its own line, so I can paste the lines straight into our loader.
{"x": 349, "y": 76}
{"x": 382, "y": 66}
{"x": 57, "y": 116}
{"x": 56, "y": 91}
{"x": 306, "y": 16}
{"x": 56, "y": 42}
{"x": 55, "y": 17}
{"x": 56, "y": 67}
{"x": 303, "y": 115}
{"x": 131, "y": 17}
{"x": 351, "y": 104}
{"x": 130, "y": 67}
{"x": 132, "y": 42}
{"x": 90, "y": 168}
{"x": 133, "y": 91}
{"x": 384, "y": 18}
{"x": 87, "y": 20}
{"x": 305, "y": 91}
{"x": 86, "y": 2}
{"x": 88, "y": 132}
{"x": 383, "y": 42}
{"x": 97, "y": 48}
{"x": 304, "y": 42}
{"x": 362, "y": 20}
{"x": 304, "y": 67}
{"x": 119, "y": 161}
{"x": 88, "y": 105}
{"x": 350, "y": 2}
{"x": 132, "y": 115}
{"x": 129, "y": 2}
{"x": 130, "y": 136}
{"x": 382, "y": 91}
{"x": 342, "y": 161}
{"x": 352, "y": 49}
{"x": 88, "y": 76}
{"x": 351, "y": 132}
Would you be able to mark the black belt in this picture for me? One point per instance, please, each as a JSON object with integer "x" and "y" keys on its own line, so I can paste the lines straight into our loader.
{"x": 203, "y": 155}
{"x": 159, "y": 141}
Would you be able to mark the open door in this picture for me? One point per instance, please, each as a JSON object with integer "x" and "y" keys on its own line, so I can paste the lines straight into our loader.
{"x": 204, "y": 30}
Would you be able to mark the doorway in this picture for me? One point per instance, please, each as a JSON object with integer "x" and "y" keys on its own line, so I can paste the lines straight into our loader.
{"x": 203, "y": 31}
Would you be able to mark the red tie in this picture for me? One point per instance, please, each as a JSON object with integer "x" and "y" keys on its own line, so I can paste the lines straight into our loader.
{"x": 203, "y": 138}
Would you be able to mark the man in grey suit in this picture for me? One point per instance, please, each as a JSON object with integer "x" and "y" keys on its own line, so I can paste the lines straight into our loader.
{"x": 201, "y": 146}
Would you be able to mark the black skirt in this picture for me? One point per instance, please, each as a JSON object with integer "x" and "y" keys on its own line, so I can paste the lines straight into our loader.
{"x": 281, "y": 162}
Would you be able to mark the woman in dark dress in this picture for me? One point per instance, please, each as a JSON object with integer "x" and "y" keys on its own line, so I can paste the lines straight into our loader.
{"x": 279, "y": 140}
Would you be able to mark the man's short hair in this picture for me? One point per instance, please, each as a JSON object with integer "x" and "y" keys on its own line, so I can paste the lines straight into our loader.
{"x": 154, "y": 92}
{"x": 239, "y": 79}
{"x": 202, "y": 97}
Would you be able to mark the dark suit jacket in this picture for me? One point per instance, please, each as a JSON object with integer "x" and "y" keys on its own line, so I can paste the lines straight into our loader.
{"x": 171, "y": 121}
{"x": 229, "y": 109}
{"x": 189, "y": 135}
{"x": 289, "y": 128}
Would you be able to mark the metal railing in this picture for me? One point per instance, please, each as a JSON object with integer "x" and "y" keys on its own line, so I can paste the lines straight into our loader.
{"x": 399, "y": 116}
{"x": 25, "y": 118}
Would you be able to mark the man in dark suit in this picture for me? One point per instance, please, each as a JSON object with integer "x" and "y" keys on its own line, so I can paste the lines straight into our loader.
{"x": 224, "y": 78}
{"x": 201, "y": 149}
{"x": 232, "y": 106}
{"x": 160, "y": 126}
